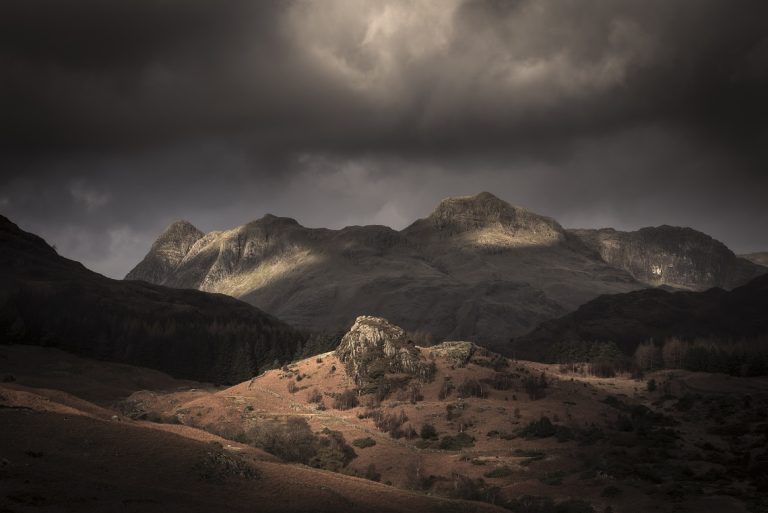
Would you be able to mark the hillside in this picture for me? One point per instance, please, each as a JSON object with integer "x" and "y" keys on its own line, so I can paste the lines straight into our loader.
{"x": 477, "y": 268}
{"x": 62, "y": 452}
{"x": 477, "y": 426}
{"x": 667, "y": 255}
{"x": 628, "y": 319}
{"x": 48, "y": 300}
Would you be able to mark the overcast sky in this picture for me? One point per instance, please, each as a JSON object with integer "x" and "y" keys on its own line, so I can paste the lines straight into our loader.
{"x": 118, "y": 117}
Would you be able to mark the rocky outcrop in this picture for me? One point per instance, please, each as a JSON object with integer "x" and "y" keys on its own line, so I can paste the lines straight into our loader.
{"x": 48, "y": 300}
{"x": 457, "y": 353}
{"x": 667, "y": 255}
{"x": 374, "y": 347}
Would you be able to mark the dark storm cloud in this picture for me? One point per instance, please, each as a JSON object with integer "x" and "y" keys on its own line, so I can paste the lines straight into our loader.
{"x": 119, "y": 116}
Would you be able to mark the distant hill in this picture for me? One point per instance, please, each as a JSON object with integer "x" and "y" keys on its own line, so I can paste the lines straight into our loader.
{"x": 671, "y": 256}
{"x": 631, "y": 318}
{"x": 48, "y": 300}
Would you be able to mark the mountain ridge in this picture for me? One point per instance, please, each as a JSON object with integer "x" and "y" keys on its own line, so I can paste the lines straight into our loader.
{"x": 476, "y": 268}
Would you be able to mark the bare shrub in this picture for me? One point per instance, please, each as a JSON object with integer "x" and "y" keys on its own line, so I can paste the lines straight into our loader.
{"x": 291, "y": 441}
{"x": 345, "y": 400}
{"x": 502, "y": 381}
{"x": 428, "y": 432}
{"x": 536, "y": 387}
{"x": 647, "y": 357}
{"x": 445, "y": 390}
{"x": 414, "y": 393}
{"x": 371, "y": 473}
{"x": 472, "y": 387}
{"x": 292, "y": 387}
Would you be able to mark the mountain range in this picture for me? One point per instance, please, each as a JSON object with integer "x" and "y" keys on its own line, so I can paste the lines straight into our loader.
{"x": 477, "y": 268}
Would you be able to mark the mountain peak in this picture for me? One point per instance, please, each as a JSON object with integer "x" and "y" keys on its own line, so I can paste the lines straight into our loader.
{"x": 180, "y": 227}
{"x": 484, "y": 211}
{"x": 273, "y": 219}
{"x": 167, "y": 252}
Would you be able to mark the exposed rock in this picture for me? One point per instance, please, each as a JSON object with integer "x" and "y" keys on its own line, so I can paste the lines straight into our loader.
{"x": 166, "y": 253}
{"x": 374, "y": 346}
{"x": 667, "y": 255}
{"x": 458, "y": 353}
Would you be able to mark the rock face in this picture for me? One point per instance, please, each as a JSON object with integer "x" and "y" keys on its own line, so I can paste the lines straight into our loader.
{"x": 666, "y": 255}
{"x": 458, "y": 353}
{"x": 475, "y": 269}
{"x": 631, "y": 318}
{"x": 374, "y": 347}
{"x": 46, "y": 299}
{"x": 166, "y": 253}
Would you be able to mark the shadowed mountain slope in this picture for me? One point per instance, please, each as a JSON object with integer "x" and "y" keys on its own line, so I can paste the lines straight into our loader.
{"x": 629, "y": 319}
{"x": 46, "y": 299}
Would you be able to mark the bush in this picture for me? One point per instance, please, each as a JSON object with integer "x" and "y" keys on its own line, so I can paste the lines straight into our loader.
{"x": 498, "y": 472}
{"x": 502, "y": 381}
{"x": 445, "y": 390}
{"x": 364, "y": 443}
{"x": 315, "y": 396}
{"x": 472, "y": 388}
{"x": 414, "y": 393}
{"x": 536, "y": 387}
{"x": 372, "y": 474}
{"x": 456, "y": 443}
{"x": 542, "y": 428}
{"x": 333, "y": 453}
{"x": 610, "y": 491}
{"x": 466, "y": 488}
{"x": 292, "y": 441}
{"x": 292, "y": 387}
{"x": 345, "y": 400}
{"x": 387, "y": 422}
{"x": 651, "y": 385}
{"x": 428, "y": 432}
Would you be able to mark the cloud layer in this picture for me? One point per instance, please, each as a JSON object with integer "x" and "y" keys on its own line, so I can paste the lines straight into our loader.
{"x": 122, "y": 116}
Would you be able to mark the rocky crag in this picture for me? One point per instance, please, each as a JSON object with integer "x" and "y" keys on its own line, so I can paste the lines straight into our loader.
{"x": 374, "y": 348}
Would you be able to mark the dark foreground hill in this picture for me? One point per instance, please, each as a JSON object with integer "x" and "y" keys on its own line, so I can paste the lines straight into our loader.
{"x": 629, "y": 319}
{"x": 48, "y": 300}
